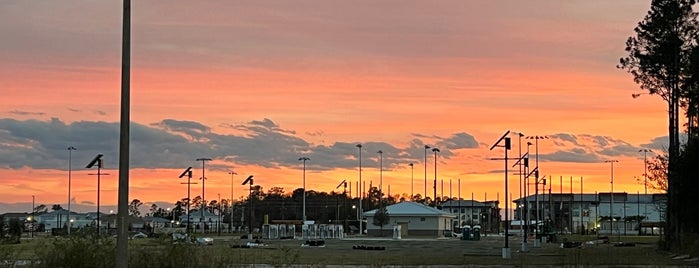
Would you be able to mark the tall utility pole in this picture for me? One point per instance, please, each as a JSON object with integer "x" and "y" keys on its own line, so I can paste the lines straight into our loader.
{"x": 122, "y": 251}
{"x": 304, "y": 159}
{"x": 611, "y": 197}
{"x": 361, "y": 191}
{"x": 435, "y": 150}
{"x": 427, "y": 147}
{"x": 70, "y": 179}
{"x": 203, "y": 183}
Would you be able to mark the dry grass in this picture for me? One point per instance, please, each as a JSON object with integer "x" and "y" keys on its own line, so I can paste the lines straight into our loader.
{"x": 160, "y": 252}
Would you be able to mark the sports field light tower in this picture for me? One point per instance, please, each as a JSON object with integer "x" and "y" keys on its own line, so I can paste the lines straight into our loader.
{"x": 506, "y": 143}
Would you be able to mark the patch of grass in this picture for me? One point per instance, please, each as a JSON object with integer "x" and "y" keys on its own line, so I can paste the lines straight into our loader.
{"x": 162, "y": 252}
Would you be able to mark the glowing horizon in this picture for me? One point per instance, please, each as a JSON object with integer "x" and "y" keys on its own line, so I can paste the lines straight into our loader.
{"x": 254, "y": 86}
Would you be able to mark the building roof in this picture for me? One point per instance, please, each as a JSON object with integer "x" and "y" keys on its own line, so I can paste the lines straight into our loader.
{"x": 599, "y": 197}
{"x": 19, "y": 215}
{"x": 464, "y": 203}
{"x": 155, "y": 219}
{"x": 407, "y": 208}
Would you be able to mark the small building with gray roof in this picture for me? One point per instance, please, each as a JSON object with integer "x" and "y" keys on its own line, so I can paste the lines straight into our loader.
{"x": 414, "y": 218}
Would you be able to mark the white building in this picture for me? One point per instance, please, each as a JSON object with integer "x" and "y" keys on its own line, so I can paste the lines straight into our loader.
{"x": 196, "y": 221}
{"x": 414, "y": 218}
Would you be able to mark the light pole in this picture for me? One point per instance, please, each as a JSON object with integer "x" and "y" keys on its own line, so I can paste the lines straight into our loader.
{"x": 506, "y": 253}
{"x": 412, "y": 177}
{"x": 232, "y": 174}
{"x": 380, "y": 173}
{"x": 537, "y": 241}
{"x": 522, "y": 162}
{"x": 249, "y": 181}
{"x": 97, "y": 161}
{"x": 435, "y": 150}
{"x": 427, "y": 147}
{"x": 527, "y": 214}
{"x": 188, "y": 172}
{"x": 218, "y": 223}
{"x": 203, "y": 183}
{"x": 361, "y": 190}
{"x": 70, "y": 176}
{"x": 230, "y": 224}
{"x": 304, "y": 159}
{"x": 611, "y": 196}
{"x": 31, "y": 220}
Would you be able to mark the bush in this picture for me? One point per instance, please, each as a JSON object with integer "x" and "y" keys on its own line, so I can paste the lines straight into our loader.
{"x": 76, "y": 251}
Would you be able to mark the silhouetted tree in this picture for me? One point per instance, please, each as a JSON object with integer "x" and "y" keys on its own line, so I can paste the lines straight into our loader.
{"x": 14, "y": 230}
{"x": 658, "y": 59}
{"x": 657, "y": 173}
{"x": 40, "y": 209}
{"x": 134, "y": 206}
{"x": 381, "y": 218}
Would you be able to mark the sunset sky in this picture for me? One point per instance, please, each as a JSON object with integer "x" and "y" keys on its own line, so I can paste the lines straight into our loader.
{"x": 255, "y": 85}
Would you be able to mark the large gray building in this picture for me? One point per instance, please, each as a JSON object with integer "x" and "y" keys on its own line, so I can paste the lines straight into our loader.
{"x": 565, "y": 213}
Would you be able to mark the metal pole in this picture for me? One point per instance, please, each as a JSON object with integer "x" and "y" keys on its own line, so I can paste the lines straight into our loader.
{"x": 582, "y": 227}
{"x": 99, "y": 174}
{"x": 611, "y": 199}
{"x": 412, "y": 177}
{"x": 425, "y": 162}
{"x": 519, "y": 140}
{"x": 435, "y": 150}
{"x": 360, "y": 190}
{"x": 507, "y": 236}
{"x": 203, "y": 184}
{"x": 122, "y": 251}
{"x": 459, "y": 204}
{"x": 380, "y": 173}
{"x": 304, "y": 159}
{"x": 33, "y": 215}
{"x": 537, "y": 240}
{"x": 70, "y": 179}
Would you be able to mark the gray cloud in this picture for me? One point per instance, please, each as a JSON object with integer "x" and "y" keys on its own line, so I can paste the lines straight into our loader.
{"x": 575, "y": 155}
{"x": 174, "y": 143}
{"x": 585, "y": 148}
{"x": 459, "y": 141}
{"x": 17, "y": 112}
